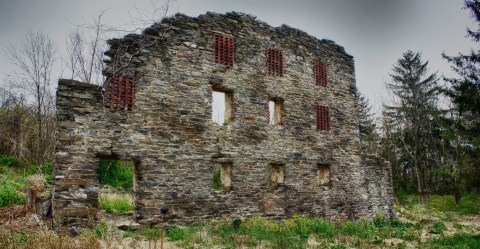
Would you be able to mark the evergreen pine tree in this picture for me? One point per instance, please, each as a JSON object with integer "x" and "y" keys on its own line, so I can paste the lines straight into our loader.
{"x": 368, "y": 129}
{"x": 463, "y": 131}
{"x": 413, "y": 110}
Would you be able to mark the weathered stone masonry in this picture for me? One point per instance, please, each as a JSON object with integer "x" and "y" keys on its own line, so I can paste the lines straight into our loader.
{"x": 177, "y": 148}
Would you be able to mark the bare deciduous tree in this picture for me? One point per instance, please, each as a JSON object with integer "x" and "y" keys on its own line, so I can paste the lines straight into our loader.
{"x": 34, "y": 61}
{"x": 85, "y": 55}
{"x": 85, "y": 49}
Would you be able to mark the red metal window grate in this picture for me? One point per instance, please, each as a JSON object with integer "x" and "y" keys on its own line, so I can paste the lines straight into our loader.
{"x": 322, "y": 117}
{"x": 321, "y": 78}
{"x": 275, "y": 62}
{"x": 223, "y": 49}
{"x": 120, "y": 93}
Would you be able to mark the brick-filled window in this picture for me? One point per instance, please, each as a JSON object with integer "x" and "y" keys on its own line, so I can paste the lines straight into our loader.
{"x": 321, "y": 78}
{"x": 322, "y": 117}
{"x": 223, "y": 49}
{"x": 120, "y": 93}
{"x": 275, "y": 62}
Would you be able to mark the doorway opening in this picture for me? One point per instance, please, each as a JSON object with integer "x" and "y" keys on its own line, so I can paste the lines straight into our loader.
{"x": 117, "y": 180}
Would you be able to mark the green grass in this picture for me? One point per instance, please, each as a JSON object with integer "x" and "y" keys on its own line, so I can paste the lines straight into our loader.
{"x": 14, "y": 174}
{"x": 294, "y": 232}
{"x": 175, "y": 233}
{"x": 117, "y": 174}
{"x": 288, "y": 233}
{"x": 469, "y": 204}
{"x": 460, "y": 241}
{"x": 116, "y": 204}
{"x": 438, "y": 228}
{"x": 9, "y": 194}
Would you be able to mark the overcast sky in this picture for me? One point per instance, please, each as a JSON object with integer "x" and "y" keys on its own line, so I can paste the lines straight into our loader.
{"x": 375, "y": 32}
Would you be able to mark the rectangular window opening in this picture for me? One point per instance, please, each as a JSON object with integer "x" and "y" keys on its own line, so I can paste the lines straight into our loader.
{"x": 278, "y": 175}
{"x": 275, "y": 62}
{"x": 320, "y": 70}
{"x": 222, "y": 177}
{"x": 323, "y": 174}
{"x": 226, "y": 175}
{"x": 223, "y": 49}
{"x": 222, "y": 107}
{"x": 322, "y": 117}
{"x": 275, "y": 111}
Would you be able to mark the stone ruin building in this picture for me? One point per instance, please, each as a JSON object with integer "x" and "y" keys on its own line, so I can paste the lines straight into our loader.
{"x": 285, "y": 142}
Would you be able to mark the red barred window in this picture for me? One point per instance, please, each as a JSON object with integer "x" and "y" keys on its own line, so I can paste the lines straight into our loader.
{"x": 322, "y": 117}
{"x": 320, "y": 70}
{"x": 275, "y": 62}
{"x": 120, "y": 93}
{"x": 223, "y": 49}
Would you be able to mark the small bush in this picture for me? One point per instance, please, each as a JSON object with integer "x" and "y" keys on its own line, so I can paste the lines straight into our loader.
{"x": 101, "y": 230}
{"x": 9, "y": 161}
{"x": 9, "y": 194}
{"x": 236, "y": 224}
{"x": 380, "y": 219}
{"x": 117, "y": 174}
{"x": 116, "y": 204}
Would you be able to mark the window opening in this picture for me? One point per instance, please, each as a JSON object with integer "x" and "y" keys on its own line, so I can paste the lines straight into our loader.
{"x": 275, "y": 111}
{"x": 222, "y": 107}
{"x": 323, "y": 174}
{"x": 222, "y": 177}
{"x": 278, "y": 174}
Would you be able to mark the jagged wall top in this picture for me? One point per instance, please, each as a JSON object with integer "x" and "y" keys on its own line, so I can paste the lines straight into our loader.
{"x": 172, "y": 23}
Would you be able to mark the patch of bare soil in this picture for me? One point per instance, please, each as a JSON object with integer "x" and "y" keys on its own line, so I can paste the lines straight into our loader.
{"x": 127, "y": 243}
{"x": 470, "y": 220}
{"x": 14, "y": 219}
{"x": 395, "y": 242}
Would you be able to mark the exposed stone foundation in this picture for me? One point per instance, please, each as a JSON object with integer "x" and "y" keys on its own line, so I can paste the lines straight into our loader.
{"x": 293, "y": 166}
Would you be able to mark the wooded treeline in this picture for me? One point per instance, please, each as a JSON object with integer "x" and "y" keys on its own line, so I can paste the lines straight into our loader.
{"x": 433, "y": 147}
{"x": 430, "y": 128}
{"x": 27, "y": 99}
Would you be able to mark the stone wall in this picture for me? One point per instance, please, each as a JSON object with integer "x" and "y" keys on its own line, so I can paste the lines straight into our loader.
{"x": 377, "y": 187}
{"x": 177, "y": 148}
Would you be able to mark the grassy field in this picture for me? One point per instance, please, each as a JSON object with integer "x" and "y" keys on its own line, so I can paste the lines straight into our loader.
{"x": 416, "y": 227}
{"x": 441, "y": 223}
{"x": 14, "y": 174}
